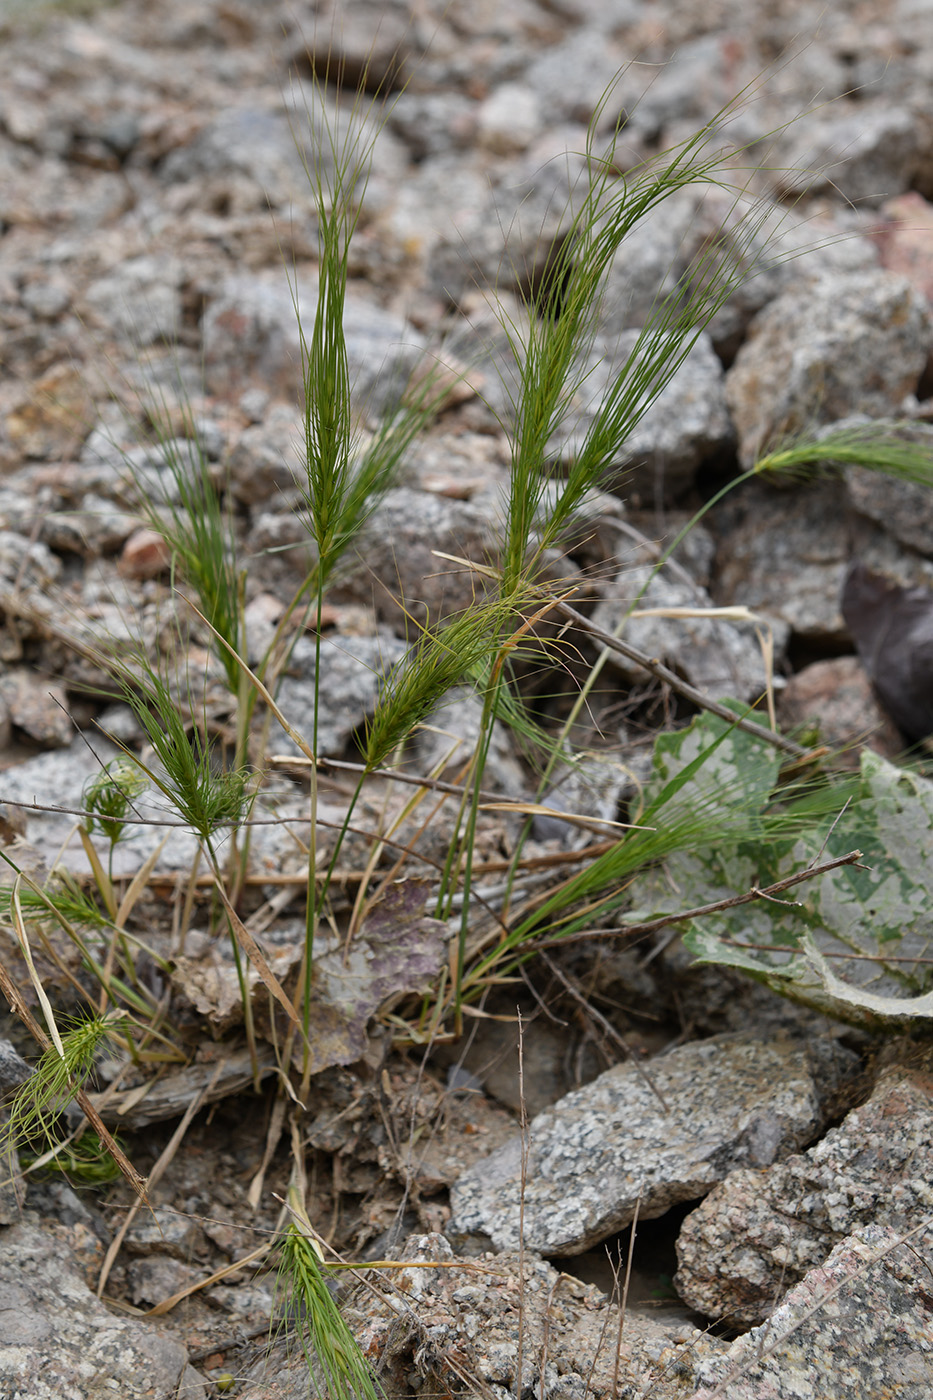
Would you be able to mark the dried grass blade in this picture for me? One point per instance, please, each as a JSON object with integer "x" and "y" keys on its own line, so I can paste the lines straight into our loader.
{"x": 253, "y": 951}
{"x": 23, "y": 939}
{"x": 139, "y": 882}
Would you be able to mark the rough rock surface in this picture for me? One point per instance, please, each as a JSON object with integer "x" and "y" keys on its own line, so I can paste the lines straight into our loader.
{"x": 642, "y": 1140}
{"x": 869, "y": 151}
{"x": 858, "y": 1325}
{"x": 847, "y": 343}
{"x": 353, "y": 669}
{"x": 723, "y": 658}
{"x": 904, "y": 508}
{"x": 836, "y": 696}
{"x": 466, "y": 1325}
{"x": 398, "y": 571}
{"x": 153, "y": 190}
{"x": 686, "y": 426}
{"x": 58, "y": 1339}
{"x": 759, "y": 1232}
{"x": 785, "y": 553}
{"x": 252, "y": 337}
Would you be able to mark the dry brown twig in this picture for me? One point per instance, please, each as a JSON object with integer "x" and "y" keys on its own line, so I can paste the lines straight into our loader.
{"x": 663, "y": 920}
{"x": 689, "y": 692}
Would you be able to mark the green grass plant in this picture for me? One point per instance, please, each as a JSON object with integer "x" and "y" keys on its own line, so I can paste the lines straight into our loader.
{"x": 333, "y": 1358}
{"x": 343, "y": 479}
{"x": 35, "y": 1115}
{"x": 212, "y": 789}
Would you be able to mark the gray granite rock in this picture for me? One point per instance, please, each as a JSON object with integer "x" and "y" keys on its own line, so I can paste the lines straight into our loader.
{"x": 280, "y": 551}
{"x": 148, "y": 475}
{"x": 576, "y": 77}
{"x": 432, "y": 219}
{"x": 245, "y": 141}
{"x": 140, "y": 300}
{"x": 96, "y": 527}
{"x": 38, "y": 706}
{"x": 26, "y": 563}
{"x": 150, "y": 1281}
{"x": 58, "y": 1339}
{"x": 266, "y": 461}
{"x": 258, "y": 155}
{"x": 593, "y": 787}
{"x": 395, "y": 557}
{"x": 867, "y": 151}
{"x": 722, "y": 658}
{"x": 352, "y": 671}
{"x": 504, "y": 240}
{"x": 759, "y": 1232}
{"x": 649, "y": 265}
{"x": 764, "y": 248}
{"x": 509, "y": 119}
{"x": 373, "y": 45}
{"x": 164, "y": 1231}
{"x": 643, "y": 1138}
{"x": 859, "y": 1325}
{"x": 458, "y": 465}
{"x": 785, "y": 553}
{"x": 251, "y": 336}
{"x": 701, "y": 76}
{"x": 846, "y": 343}
{"x": 686, "y": 424}
{"x": 45, "y": 293}
{"x": 450, "y": 1322}
{"x": 903, "y": 508}
{"x": 433, "y": 123}
{"x": 451, "y": 739}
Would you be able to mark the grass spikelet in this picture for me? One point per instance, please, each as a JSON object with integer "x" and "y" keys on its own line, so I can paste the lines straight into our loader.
{"x": 110, "y": 795}
{"x": 442, "y": 658}
{"x": 39, "y": 1103}
{"x": 202, "y": 796}
{"x": 329, "y": 1347}
{"x": 879, "y": 447}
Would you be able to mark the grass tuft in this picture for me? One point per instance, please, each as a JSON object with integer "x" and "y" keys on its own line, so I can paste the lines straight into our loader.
{"x": 328, "y": 1345}
{"x": 37, "y": 1108}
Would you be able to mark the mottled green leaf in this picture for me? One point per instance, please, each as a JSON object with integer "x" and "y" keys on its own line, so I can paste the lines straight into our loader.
{"x": 856, "y": 942}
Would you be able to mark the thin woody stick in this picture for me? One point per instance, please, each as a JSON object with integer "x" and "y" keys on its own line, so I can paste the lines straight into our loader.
{"x": 671, "y": 678}
{"x": 651, "y": 925}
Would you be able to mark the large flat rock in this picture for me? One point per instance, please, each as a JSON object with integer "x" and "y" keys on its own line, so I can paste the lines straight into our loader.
{"x": 645, "y": 1138}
